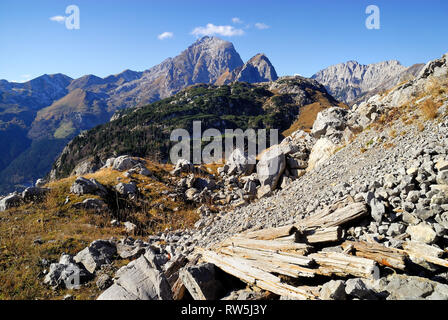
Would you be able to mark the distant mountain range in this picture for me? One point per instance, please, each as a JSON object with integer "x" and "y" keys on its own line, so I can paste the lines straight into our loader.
{"x": 39, "y": 117}
{"x": 352, "y": 81}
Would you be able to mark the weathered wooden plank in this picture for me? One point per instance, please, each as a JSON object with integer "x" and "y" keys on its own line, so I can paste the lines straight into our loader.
{"x": 307, "y": 235}
{"x": 245, "y": 271}
{"x": 327, "y": 218}
{"x": 426, "y": 252}
{"x": 389, "y": 257}
{"x": 178, "y": 290}
{"x": 269, "y": 255}
{"x": 341, "y": 264}
{"x": 269, "y": 263}
{"x": 321, "y": 235}
{"x": 337, "y": 214}
{"x": 275, "y": 245}
{"x": 270, "y": 233}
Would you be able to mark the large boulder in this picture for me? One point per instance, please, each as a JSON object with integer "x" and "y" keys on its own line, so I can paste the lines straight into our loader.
{"x": 98, "y": 253}
{"x": 83, "y": 186}
{"x": 85, "y": 167}
{"x": 401, "y": 287}
{"x": 130, "y": 249}
{"x": 240, "y": 163}
{"x": 139, "y": 280}
{"x": 10, "y": 201}
{"x": 183, "y": 166}
{"x": 321, "y": 152}
{"x": 329, "y": 121}
{"x": 269, "y": 169}
{"x": 125, "y": 162}
{"x": 126, "y": 189}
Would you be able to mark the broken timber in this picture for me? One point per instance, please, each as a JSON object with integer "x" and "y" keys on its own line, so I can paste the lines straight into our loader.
{"x": 389, "y": 257}
{"x": 245, "y": 271}
{"x": 273, "y": 245}
{"x": 319, "y": 227}
{"x": 260, "y": 257}
{"x": 426, "y": 252}
{"x": 341, "y": 264}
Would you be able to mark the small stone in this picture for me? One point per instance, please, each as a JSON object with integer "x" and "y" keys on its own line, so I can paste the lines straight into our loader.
{"x": 357, "y": 288}
{"x": 129, "y": 227}
{"x": 413, "y": 196}
{"x": 333, "y": 290}
{"x": 442, "y": 177}
{"x": 422, "y": 232}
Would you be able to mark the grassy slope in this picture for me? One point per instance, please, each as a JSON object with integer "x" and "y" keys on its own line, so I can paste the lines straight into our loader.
{"x": 69, "y": 230}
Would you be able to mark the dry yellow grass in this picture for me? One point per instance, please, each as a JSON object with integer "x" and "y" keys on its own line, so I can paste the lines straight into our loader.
{"x": 62, "y": 228}
{"x": 393, "y": 133}
{"x": 308, "y": 114}
{"x": 429, "y": 109}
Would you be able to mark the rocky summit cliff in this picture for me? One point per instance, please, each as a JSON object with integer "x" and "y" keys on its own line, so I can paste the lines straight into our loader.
{"x": 257, "y": 69}
{"x": 39, "y": 117}
{"x": 355, "y": 208}
{"x": 351, "y": 80}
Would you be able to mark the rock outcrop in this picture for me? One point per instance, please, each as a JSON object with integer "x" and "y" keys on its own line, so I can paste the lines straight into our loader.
{"x": 257, "y": 69}
{"x": 351, "y": 80}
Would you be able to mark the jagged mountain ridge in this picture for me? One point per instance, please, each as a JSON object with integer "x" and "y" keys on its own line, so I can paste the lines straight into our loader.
{"x": 257, "y": 69}
{"x": 351, "y": 80}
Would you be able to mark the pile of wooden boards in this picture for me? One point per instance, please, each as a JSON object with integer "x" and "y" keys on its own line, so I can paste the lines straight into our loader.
{"x": 270, "y": 258}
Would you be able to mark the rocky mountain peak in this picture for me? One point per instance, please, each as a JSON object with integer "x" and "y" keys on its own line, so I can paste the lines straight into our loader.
{"x": 351, "y": 80}
{"x": 257, "y": 69}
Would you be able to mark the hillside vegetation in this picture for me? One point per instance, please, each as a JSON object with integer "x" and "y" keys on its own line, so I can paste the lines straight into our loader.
{"x": 145, "y": 131}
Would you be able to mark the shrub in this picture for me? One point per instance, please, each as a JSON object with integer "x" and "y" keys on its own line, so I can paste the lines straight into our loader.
{"x": 429, "y": 109}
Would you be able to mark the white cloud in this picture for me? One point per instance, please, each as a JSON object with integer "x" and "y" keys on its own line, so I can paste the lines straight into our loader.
{"x": 237, "y": 20}
{"x": 211, "y": 29}
{"x": 165, "y": 35}
{"x": 59, "y": 19}
{"x": 261, "y": 26}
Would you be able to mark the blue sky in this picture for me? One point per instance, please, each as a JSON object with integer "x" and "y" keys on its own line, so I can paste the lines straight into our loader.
{"x": 298, "y": 36}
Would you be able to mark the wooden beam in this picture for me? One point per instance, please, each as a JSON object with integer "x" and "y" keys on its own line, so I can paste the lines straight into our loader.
{"x": 385, "y": 256}
{"x": 341, "y": 264}
{"x": 426, "y": 252}
{"x": 269, "y": 245}
{"x": 324, "y": 235}
{"x": 269, "y": 255}
{"x": 327, "y": 218}
{"x": 275, "y": 263}
{"x": 269, "y": 233}
{"x": 243, "y": 270}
